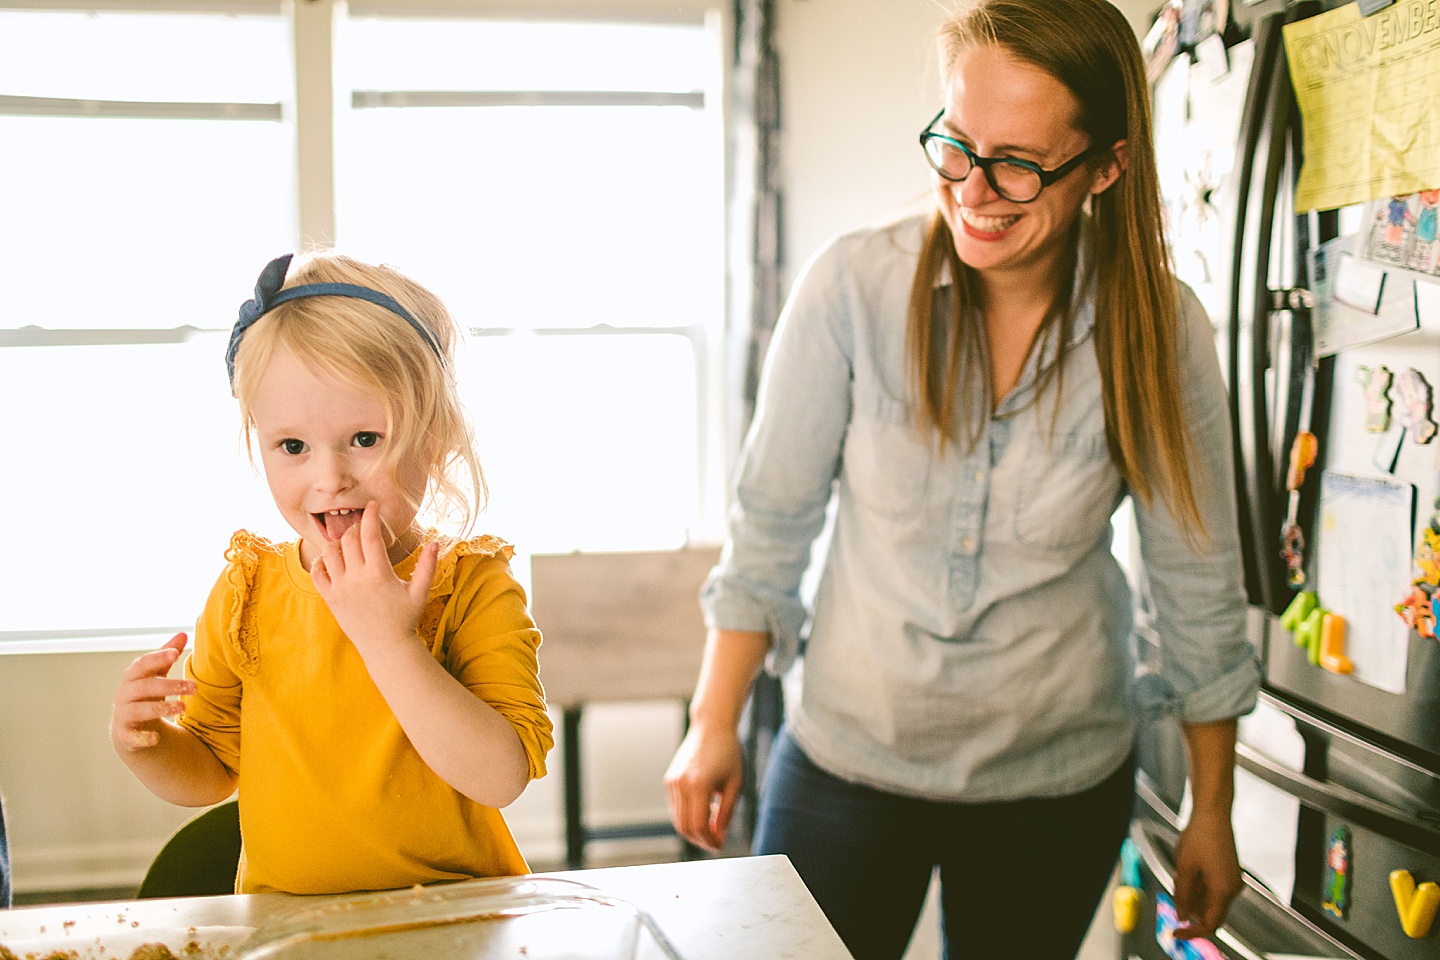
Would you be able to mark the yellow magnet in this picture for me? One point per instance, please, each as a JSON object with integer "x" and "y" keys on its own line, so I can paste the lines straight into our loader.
{"x": 1127, "y": 909}
{"x": 1417, "y": 905}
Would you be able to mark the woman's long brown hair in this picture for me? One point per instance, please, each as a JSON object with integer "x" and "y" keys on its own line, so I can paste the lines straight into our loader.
{"x": 1088, "y": 46}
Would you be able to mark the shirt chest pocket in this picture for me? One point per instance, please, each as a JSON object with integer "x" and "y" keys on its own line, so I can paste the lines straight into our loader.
{"x": 886, "y": 464}
{"x": 1067, "y": 491}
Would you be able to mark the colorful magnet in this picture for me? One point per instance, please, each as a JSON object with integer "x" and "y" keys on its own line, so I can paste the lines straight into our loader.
{"x": 1128, "y": 895}
{"x": 1332, "y": 645}
{"x": 1376, "y": 381}
{"x": 1427, "y": 557}
{"x": 1307, "y": 635}
{"x": 1421, "y": 606}
{"x": 1166, "y": 923}
{"x": 1292, "y": 538}
{"x": 1299, "y": 609}
{"x": 1336, "y": 895}
{"x": 1292, "y": 551}
{"x": 1414, "y": 412}
{"x": 1127, "y": 909}
{"x": 1419, "y": 609}
{"x": 1130, "y": 864}
{"x": 1302, "y": 457}
{"x": 1416, "y": 905}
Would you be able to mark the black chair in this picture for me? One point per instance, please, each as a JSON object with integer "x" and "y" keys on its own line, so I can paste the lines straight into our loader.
{"x": 201, "y": 859}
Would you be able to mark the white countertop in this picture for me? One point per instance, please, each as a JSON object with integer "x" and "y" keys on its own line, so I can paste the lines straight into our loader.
{"x": 741, "y": 907}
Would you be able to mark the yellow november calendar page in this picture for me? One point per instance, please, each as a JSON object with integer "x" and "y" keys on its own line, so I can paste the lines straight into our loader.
{"x": 1369, "y": 96}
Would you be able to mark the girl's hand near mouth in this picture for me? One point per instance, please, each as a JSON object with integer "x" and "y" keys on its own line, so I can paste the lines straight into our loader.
{"x": 355, "y": 579}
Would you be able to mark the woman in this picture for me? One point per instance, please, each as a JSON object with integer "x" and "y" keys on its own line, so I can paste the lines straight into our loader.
{"x": 981, "y": 387}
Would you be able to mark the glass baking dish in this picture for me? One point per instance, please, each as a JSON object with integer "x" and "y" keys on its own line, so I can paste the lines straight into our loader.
{"x": 524, "y": 918}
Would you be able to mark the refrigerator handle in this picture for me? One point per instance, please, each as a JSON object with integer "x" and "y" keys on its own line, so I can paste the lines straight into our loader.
{"x": 1144, "y": 836}
{"x": 1247, "y": 355}
{"x": 1305, "y": 719}
{"x": 1341, "y": 802}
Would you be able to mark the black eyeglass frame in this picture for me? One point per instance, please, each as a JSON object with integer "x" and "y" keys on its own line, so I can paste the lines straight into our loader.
{"x": 1047, "y": 177}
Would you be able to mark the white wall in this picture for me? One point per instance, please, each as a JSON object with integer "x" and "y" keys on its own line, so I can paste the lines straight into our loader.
{"x": 859, "y": 79}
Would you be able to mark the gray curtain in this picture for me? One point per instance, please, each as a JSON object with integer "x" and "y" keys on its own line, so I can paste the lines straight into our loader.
{"x": 755, "y": 295}
{"x": 756, "y": 255}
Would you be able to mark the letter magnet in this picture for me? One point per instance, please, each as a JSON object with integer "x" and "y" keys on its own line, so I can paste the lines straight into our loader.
{"x": 1416, "y": 905}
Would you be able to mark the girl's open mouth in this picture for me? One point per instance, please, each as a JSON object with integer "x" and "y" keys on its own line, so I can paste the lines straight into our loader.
{"x": 334, "y": 523}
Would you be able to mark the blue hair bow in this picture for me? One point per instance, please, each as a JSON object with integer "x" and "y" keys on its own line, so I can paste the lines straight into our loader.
{"x": 268, "y": 296}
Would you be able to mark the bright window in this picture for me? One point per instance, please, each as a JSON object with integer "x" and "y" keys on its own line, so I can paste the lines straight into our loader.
{"x": 145, "y": 170}
{"x": 559, "y": 185}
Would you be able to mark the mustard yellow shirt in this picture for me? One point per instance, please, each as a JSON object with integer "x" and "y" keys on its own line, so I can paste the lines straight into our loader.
{"x": 333, "y": 797}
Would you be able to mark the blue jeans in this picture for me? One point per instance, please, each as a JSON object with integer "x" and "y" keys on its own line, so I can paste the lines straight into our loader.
{"x": 1018, "y": 879}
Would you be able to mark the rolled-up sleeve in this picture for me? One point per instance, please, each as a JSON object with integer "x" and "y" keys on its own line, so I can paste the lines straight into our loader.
{"x": 788, "y": 465}
{"x": 1208, "y": 670}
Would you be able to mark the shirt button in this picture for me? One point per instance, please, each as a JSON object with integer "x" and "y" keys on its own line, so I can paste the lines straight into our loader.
{"x": 979, "y": 476}
{"x": 968, "y": 544}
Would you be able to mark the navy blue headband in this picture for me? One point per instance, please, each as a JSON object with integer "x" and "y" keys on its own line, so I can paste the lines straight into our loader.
{"x": 268, "y": 296}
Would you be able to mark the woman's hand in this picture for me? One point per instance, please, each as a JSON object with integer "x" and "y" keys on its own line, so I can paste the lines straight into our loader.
{"x": 1207, "y": 870}
{"x": 703, "y": 783}
{"x": 141, "y": 704}
{"x": 1207, "y": 874}
{"x": 355, "y": 579}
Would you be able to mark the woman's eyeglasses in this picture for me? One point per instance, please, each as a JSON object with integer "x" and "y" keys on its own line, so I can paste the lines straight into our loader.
{"x": 1019, "y": 181}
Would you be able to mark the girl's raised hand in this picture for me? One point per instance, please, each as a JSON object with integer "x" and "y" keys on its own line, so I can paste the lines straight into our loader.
{"x": 372, "y": 605}
{"x": 141, "y": 704}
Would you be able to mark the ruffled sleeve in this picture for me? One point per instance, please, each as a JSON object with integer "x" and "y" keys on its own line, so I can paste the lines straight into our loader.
{"x": 226, "y": 650}
{"x": 243, "y": 556}
{"x": 477, "y": 623}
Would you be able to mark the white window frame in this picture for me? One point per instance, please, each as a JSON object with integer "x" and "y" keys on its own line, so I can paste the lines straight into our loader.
{"x": 311, "y": 115}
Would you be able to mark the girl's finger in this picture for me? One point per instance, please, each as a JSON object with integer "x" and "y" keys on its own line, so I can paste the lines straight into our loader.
{"x": 156, "y": 662}
{"x": 424, "y": 575}
{"x": 320, "y": 574}
{"x": 148, "y": 711}
{"x": 156, "y": 688}
{"x": 350, "y": 546}
{"x": 372, "y": 541}
{"x": 334, "y": 558}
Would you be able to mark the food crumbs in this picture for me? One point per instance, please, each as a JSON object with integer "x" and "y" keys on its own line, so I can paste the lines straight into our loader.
{"x": 134, "y": 923}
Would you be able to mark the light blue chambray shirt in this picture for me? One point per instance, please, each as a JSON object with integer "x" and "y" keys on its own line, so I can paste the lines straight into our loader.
{"x": 970, "y": 637}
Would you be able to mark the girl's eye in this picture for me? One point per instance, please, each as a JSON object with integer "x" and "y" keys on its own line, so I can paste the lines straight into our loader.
{"x": 292, "y": 446}
{"x": 366, "y": 438}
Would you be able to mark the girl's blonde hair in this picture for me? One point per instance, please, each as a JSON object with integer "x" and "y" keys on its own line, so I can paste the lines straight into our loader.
{"x": 1089, "y": 47}
{"x": 369, "y": 347}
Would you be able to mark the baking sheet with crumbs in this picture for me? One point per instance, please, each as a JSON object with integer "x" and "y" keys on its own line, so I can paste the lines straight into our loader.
{"x": 129, "y": 940}
{"x": 503, "y": 918}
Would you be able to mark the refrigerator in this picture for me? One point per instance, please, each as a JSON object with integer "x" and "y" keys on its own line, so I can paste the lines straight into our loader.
{"x": 1328, "y": 325}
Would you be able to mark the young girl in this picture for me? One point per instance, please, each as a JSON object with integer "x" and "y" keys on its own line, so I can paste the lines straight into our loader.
{"x": 381, "y": 679}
